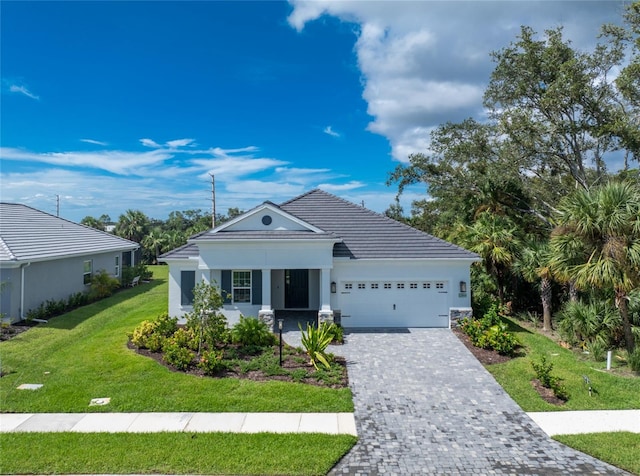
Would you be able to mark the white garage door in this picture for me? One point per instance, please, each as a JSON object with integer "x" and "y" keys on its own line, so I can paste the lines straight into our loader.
{"x": 394, "y": 303}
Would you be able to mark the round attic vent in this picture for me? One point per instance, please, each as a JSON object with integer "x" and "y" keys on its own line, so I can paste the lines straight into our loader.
{"x": 266, "y": 220}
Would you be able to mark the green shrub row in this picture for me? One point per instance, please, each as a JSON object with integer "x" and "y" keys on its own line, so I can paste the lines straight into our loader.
{"x": 102, "y": 285}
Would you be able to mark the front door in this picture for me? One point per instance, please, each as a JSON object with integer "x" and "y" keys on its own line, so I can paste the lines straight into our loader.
{"x": 296, "y": 288}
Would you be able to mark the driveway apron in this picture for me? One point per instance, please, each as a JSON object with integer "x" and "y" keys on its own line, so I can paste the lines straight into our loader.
{"x": 425, "y": 405}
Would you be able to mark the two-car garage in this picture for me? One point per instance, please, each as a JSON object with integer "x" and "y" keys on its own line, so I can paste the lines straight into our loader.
{"x": 394, "y": 303}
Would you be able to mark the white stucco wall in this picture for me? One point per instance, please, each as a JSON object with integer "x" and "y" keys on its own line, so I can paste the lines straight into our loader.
{"x": 266, "y": 255}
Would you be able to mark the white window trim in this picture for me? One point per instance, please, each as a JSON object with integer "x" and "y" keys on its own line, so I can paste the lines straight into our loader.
{"x": 234, "y": 287}
{"x": 86, "y": 275}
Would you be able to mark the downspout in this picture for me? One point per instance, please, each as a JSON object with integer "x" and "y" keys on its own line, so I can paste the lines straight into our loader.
{"x": 22, "y": 268}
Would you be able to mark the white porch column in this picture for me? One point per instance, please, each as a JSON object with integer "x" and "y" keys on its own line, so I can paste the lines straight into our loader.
{"x": 266, "y": 289}
{"x": 266, "y": 314}
{"x": 325, "y": 289}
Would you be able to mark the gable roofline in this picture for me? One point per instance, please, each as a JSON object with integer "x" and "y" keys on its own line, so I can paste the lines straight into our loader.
{"x": 267, "y": 205}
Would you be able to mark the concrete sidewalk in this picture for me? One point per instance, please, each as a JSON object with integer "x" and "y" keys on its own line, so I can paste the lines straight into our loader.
{"x": 590, "y": 421}
{"x": 552, "y": 423}
{"x": 331, "y": 423}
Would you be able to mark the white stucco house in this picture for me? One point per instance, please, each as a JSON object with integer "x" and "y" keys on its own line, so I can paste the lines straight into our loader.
{"x": 318, "y": 252}
{"x": 44, "y": 257}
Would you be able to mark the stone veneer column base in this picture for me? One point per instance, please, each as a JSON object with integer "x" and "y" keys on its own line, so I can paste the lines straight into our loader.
{"x": 456, "y": 314}
{"x": 325, "y": 316}
{"x": 268, "y": 316}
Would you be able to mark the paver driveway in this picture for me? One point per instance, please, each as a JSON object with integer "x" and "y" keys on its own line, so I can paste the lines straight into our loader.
{"x": 425, "y": 405}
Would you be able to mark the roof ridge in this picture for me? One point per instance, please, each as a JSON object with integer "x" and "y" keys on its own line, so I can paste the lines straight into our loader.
{"x": 300, "y": 196}
{"x": 393, "y": 220}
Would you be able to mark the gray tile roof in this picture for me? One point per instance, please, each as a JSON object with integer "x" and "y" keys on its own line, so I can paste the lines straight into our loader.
{"x": 366, "y": 234}
{"x": 27, "y": 234}
{"x": 363, "y": 234}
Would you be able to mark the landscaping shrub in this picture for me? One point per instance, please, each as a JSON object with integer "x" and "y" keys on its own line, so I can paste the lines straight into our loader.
{"x": 490, "y": 332}
{"x": 580, "y": 323}
{"x": 250, "y": 331}
{"x": 102, "y": 285}
{"x": 499, "y": 339}
{"x": 597, "y": 349}
{"x": 206, "y": 322}
{"x": 76, "y": 300}
{"x": 130, "y": 272}
{"x": 543, "y": 374}
{"x": 337, "y": 333}
{"x": 315, "y": 342}
{"x": 185, "y": 337}
{"x": 151, "y": 334}
{"x": 173, "y": 354}
{"x": 211, "y": 362}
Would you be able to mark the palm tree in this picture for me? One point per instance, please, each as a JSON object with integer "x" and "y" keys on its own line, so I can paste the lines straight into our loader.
{"x": 495, "y": 239}
{"x": 132, "y": 225}
{"x": 154, "y": 241}
{"x": 597, "y": 243}
{"x": 534, "y": 266}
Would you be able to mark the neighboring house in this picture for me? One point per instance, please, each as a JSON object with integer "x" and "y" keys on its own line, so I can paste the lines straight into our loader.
{"x": 319, "y": 252}
{"x": 43, "y": 257}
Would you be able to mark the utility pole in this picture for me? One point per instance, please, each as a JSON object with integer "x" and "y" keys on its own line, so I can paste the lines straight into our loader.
{"x": 213, "y": 200}
{"x": 57, "y": 205}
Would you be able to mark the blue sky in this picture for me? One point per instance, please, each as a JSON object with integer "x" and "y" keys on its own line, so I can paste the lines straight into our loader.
{"x": 118, "y": 105}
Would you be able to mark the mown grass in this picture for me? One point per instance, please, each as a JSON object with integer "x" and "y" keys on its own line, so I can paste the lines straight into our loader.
{"x": 171, "y": 453}
{"x": 610, "y": 392}
{"x": 83, "y": 355}
{"x": 621, "y": 449}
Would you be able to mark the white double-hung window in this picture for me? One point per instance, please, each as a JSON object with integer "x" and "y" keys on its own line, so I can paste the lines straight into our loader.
{"x": 241, "y": 286}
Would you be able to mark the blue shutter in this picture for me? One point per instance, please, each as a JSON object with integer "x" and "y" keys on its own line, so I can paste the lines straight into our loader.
{"x": 256, "y": 286}
{"x": 225, "y": 285}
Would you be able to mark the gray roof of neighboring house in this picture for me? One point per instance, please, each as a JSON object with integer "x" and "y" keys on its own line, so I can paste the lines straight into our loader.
{"x": 366, "y": 234}
{"x": 27, "y": 234}
{"x": 363, "y": 234}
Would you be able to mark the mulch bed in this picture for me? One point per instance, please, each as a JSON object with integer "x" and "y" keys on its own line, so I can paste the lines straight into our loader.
{"x": 484, "y": 356}
{"x": 289, "y": 362}
{"x": 8, "y": 332}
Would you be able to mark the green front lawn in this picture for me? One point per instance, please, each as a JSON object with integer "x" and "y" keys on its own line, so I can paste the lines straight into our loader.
{"x": 170, "y": 453}
{"x": 611, "y": 392}
{"x": 621, "y": 449}
{"x": 83, "y": 355}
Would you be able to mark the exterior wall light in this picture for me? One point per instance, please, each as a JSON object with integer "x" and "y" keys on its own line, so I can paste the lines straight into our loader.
{"x": 333, "y": 287}
{"x": 463, "y": 287}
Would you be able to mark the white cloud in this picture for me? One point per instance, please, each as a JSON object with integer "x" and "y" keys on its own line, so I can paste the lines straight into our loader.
{"x": 424, "y": 63}
{"x": 150, "y": 143}
{"x": 93, "y": 141}
{"x": 179, "y": 142}
{"x": 333, "y": 188}
{"x": 23, "y": 90}
{"x": 114, "y": 161}
{"x": 236, "y": 166}
{"x": 329, "y": 131}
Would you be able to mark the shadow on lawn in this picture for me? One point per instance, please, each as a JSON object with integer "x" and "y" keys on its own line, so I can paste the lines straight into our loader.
{"x": 71, "y": 319}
